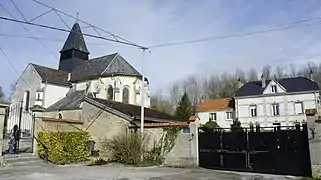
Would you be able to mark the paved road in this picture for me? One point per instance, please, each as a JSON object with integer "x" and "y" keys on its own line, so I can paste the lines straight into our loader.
{"x": 124, "y": 173}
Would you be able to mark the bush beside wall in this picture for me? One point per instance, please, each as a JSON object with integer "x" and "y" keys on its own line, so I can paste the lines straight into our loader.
{"x": 63, "y": 147}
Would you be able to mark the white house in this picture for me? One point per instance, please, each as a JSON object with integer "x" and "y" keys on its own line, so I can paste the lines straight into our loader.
{"x": 274, "y": 102}
{"x": 109, "y": 77}
{"x": 219, "y": 110}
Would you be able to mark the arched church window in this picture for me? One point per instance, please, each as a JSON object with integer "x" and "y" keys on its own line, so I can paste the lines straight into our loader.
{"x": 110, "y": 93}
{"x": 26, "y": 102}
{"x": 125, "y": 95}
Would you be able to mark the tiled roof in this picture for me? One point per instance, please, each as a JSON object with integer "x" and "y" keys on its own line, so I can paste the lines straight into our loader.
{"x": 70, "y": 102}
{"x": 296, "y": 84}
{"x": 112, "y": 64}
{"x": 75, "y": 40}
{"x": 134, "y": 110}
{"x": 215, "y": 104}
{"x": 52, "y": 76}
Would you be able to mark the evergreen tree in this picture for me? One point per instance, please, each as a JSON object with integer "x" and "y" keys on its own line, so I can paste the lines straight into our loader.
{"x": 185, "y": 108}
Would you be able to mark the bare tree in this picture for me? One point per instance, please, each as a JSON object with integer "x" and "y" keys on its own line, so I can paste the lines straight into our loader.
{"x": 252, "y": 75}
{"x": 240, "y": 75}
{"x": 292, "y": 70}
{"x": 1, "y": 94}
{"x": 192, "y": 86}
{"x": 175, "y": 93}
{"x": 279, "y": 72}
{"x": 266, "y": 71}
{"x": 160, "y": 103}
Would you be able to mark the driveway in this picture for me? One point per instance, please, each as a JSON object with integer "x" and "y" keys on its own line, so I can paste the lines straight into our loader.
{"x": 124, "y": 173}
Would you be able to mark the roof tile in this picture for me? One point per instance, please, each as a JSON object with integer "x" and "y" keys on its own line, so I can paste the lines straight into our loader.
{"x": 215, "y": 104}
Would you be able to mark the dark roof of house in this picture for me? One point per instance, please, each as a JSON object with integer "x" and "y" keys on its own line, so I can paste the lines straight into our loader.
{"x": 113, "y": 64}
{"x": 296, "y": 84}
{"x": 75, "y": 40}
{"x": 72, "y": 101}
{"x": 134, "y": 110}
{"x": 52, "y": 76}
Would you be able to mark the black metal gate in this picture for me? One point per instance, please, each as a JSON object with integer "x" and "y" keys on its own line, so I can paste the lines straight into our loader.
{"x": 25, "y": 120}
{"x": 271, "y": 150}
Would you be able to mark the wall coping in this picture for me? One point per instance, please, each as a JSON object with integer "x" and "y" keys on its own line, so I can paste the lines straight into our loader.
{"x": 164, "y": 124}
{"x": 62, "y": 120}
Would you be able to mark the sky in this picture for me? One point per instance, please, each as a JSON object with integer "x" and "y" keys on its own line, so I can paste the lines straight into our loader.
{"x": 153, "y": 22}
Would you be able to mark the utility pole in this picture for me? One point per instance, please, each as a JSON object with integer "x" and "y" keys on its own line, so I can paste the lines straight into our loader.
{"x": 142, "y": 96}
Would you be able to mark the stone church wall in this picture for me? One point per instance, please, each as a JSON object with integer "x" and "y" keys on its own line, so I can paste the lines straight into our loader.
{"x": 133, "y": 83}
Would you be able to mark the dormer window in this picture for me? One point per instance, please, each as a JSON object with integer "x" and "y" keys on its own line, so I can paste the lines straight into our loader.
{"x": 274, "y": 88}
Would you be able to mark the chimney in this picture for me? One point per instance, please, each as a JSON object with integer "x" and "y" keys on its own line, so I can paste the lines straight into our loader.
{"x": 239, "y": 83}
{"x": 263, "y": 80}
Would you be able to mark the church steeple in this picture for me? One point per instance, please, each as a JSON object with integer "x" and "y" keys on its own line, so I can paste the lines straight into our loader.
{"x": 74, "y": 51}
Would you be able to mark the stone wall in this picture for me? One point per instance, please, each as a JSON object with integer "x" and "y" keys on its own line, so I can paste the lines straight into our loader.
{"x": 185, "y": 150}
{"x": 66, "y": 114}
{"x": 102, "y": 126}
{"x": 314, "y": 130}
{"x": 52, "y": 126}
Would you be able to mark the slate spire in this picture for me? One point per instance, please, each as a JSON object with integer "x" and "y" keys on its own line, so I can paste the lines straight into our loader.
{"x": 74, "y": 51}
{"x": 75, "y": 40}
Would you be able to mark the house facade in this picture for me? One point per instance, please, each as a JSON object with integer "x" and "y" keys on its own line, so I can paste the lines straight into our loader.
{"x": 276, "y": 102}
{"x": 109, "y": 77}
{"x": 218, "y": 110}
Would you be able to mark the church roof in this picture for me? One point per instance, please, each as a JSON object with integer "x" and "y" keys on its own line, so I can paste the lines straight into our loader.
{"x": 72, "y": 101}
{"x": 75, "y": 40}
{"x": 135, "y": 110}
{"x": 112, "y": 64}
{"x": 52, "y": 76}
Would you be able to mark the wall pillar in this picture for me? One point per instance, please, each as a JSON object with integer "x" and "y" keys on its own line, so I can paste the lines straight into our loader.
{"x": 194, "y": 142}
{"x": 3, "y": 116}
{"x": 37, "y": 126}
{"x": 314, "y": 136}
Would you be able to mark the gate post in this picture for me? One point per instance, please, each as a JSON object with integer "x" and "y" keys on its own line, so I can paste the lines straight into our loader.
{"x": 313, "y": 128}
{"x": 36, "y": 126}
{"x": 3, "y": 116}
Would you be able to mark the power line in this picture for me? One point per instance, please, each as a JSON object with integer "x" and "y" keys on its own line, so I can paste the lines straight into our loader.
{"x": 26, "y": 29}
{"x": 275, "y": 28}
{"x": 116, "y": 37}
{"x": 8, "y": 60}
{"x": 48, "y": 39}
{"x": 65, "y": 30}
{"x": 15, "y": 5}
{"x": 12, "y": 65}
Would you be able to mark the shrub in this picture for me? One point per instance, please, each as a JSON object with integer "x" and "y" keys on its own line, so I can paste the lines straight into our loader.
{"x": 127, "y": 148}
{"x": 236, "y": 126}
{"x": 210, "y": 126}
{"x": 132, "y": 148}
{"x": 63, "y": 147}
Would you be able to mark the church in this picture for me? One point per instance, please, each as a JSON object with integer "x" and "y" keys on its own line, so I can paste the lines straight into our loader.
{"x": 110, "y": 77}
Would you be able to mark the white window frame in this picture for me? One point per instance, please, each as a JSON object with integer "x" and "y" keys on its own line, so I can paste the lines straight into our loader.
{"x": 295, "y": 109}
{"x": 212, "y": 117}
{"x": 276, "y": 109}
{"x": 229, "y": 115}
{"x": 274, "y": 88}
{"x": 253, "y": 111}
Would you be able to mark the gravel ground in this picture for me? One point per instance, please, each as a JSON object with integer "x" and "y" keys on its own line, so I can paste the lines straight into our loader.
{"x": 125, "y": 173}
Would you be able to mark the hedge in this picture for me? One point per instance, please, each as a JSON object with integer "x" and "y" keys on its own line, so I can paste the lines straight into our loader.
{"x": 63, "y": 147}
